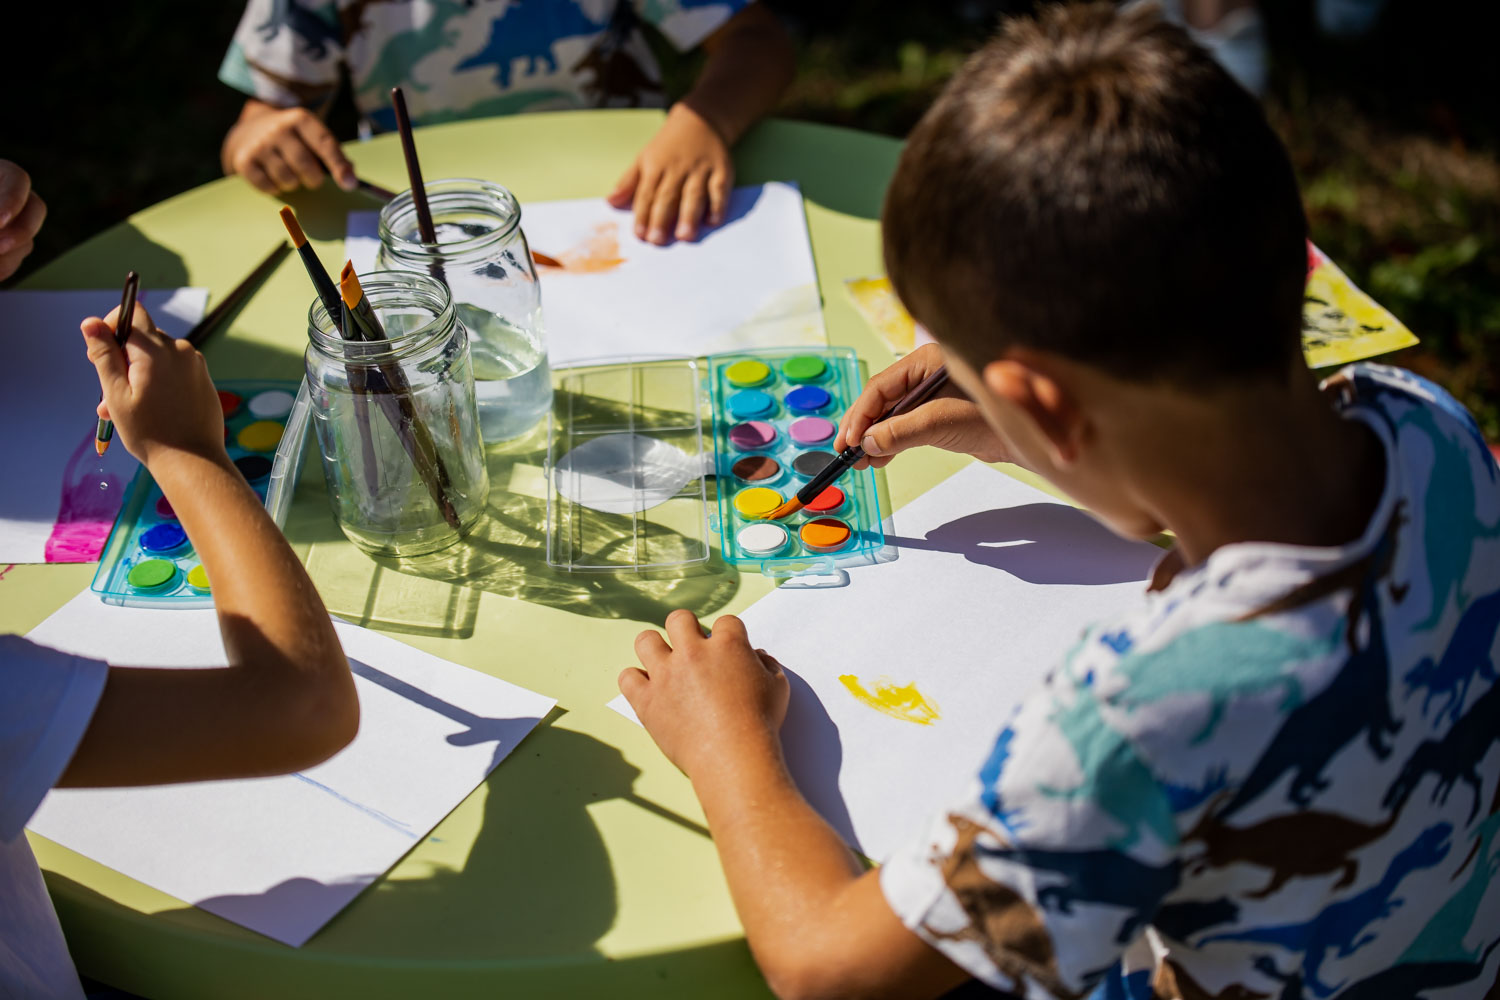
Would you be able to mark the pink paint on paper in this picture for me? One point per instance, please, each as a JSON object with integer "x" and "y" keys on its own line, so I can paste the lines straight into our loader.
{"x": 87, "y": 508}
{"x": 6, "y": 570}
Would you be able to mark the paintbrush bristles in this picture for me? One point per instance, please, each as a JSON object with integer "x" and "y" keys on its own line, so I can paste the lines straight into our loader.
{"x": 349, "y": 286}
{"x": 785, "y": 510}
{"x": 293, "y": 227}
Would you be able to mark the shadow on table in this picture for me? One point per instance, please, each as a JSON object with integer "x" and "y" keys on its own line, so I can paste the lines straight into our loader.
{"x": 506, "y": 553}
{"x": 523, "y": 909}
{"x": 1045, "y": 543}
{"x": 102, "y": 262}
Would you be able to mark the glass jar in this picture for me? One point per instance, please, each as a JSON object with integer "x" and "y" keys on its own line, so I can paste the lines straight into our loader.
{"x": 396, "y": 421}
{"x": 482, "y": 255}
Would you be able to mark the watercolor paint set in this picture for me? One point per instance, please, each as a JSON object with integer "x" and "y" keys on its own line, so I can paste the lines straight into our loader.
{"x": 148, "y": 560}
{"x": 632, "y": 448}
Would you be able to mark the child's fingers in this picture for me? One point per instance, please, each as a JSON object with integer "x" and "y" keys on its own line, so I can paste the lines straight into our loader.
{"x": 732, "y": 628}
{"x": 325, "y": 145}
{"x": 720, "y": 182}
{"x": 683, "y": 628}
{"x": 632, "y": 683}
{"x": 140, "y": 319}
{"x": 253, "y": 172}
{"x": 694, "y": 200}
{"x": 304, "y": 163}
{"x": 281, "y": 173}
{"x": 15, "y": 189}
{"x": 645, "y": 191}
{"x": 109, "y": 360}
{"x": 664, "y": 209}
{"x": 651, "y": 649}
{"x": 937, "y": 422}
{"x": 25, "y": 225}
{"x": 102, "y": 409}
{"x": 624, "y": 187}
{"x": 883, "y": 390}
{"x": 770, "y": 662}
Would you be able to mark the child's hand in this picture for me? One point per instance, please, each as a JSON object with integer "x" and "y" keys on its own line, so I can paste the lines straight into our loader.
{"x": 948, "y": 420}
{"x": 282, "y": 149}
{"x": 706, "y": 699}
{"x": 162, "y": 400}
{"x": 21, "y": 215}
{"x": 683, "y": 173}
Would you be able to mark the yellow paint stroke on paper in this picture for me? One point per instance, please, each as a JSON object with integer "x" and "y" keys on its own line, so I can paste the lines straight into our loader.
{"x": 1340, "y": 323}
{"x": 875, "y": 300}
{"x": 899, "y": 701}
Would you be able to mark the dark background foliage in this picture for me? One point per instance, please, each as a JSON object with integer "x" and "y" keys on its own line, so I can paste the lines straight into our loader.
{"x": 1394, "y": 136}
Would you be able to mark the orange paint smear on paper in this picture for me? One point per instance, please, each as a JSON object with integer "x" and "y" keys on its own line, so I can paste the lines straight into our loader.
{"x": 600, "y": 252}
{"x": 899, "y": 701}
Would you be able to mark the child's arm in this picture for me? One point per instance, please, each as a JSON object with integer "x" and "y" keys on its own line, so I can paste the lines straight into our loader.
{"x": 949, "y": 420}
{"x": 817, "y": 926}
{"x": 286, "y": 701}
{"x": 283, "y": 149}
{"x": 684, "y": 174}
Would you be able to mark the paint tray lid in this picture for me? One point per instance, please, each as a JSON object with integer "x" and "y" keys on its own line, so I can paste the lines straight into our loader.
{"x": 626, "y": 486}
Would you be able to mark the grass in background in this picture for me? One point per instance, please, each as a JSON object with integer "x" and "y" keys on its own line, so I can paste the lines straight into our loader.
{"x": 1393, "y": 137}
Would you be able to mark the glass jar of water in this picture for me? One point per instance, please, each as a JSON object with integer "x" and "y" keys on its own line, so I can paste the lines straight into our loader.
{"x": 396, "y": 421}
{"x": 482, "y": 255}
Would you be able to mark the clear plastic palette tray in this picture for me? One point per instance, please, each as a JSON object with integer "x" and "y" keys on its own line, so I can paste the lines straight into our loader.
{"x": 628, "y": 468}
{"x": 148, "y": 561}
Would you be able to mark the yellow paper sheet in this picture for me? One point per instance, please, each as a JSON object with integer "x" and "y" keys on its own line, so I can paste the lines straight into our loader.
{"x": 1340, "y": 323}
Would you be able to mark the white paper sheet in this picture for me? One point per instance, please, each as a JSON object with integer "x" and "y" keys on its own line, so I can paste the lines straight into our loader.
{"x": 994, "y": 582}
{"x": 283, "y": 855}
{"x": 747, "y": 283}
{"x": 52, "y": 508}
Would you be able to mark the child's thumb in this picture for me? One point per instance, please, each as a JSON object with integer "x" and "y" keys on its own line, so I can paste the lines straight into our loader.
{"x": 108, "y": 359}
{"x": 932, "y": 423}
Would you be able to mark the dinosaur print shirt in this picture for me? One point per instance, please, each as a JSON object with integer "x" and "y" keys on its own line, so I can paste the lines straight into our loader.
{"x": 461, "y": 58}
{"x": 1278, "y": 779}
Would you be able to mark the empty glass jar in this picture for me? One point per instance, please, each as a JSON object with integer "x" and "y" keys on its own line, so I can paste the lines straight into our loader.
{"x": 396, "y": 419}
{"x": 482, "y": 255}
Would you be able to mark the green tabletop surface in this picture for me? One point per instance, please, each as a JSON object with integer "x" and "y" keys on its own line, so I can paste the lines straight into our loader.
{"x": 581, "y": 867}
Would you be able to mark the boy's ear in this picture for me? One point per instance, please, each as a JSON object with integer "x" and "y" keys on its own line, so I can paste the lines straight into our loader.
{"x": 1051, "y": 407}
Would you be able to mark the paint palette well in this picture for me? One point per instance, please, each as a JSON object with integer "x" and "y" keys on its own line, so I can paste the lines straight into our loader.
{"x": 775, "y": 415}
{"x": 148, "y": 560}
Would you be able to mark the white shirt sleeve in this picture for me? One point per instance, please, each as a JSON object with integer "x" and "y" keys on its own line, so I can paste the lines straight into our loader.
{"x": 49, "y": 698}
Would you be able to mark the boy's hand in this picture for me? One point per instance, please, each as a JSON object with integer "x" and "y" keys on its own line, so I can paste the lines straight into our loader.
{"x": 21, "y": 215}
{"x": 706, "y": 699}
{"x": 684, "y": 174}
{"x": 948, "y": 420}
{"x": 282, "y": 149}
{"x": 156, "y": 390}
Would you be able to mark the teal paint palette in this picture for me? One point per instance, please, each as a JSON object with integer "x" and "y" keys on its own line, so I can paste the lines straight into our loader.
{"x": 632, "y": 447}
{"x": 148, "y": 560}
{"x": 774, "y": 417}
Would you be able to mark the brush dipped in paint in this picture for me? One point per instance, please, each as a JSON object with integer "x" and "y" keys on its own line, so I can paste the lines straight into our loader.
{"x": 851, "y": 456}
{"x": 415, "y": 436}
{"x": 104, "y": 432}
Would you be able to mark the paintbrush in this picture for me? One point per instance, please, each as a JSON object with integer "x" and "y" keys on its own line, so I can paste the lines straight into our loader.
{"x": 105, "y": 431}
{"x": 206, "y": 326}
{"x": 417, "y": 440}
{"x": 328, "y": 293}
{"x": 360, "y": 381}
{"x": 425, "y": 229}
{"x": 375, "y": 191}
{"x": 849, "y": 457}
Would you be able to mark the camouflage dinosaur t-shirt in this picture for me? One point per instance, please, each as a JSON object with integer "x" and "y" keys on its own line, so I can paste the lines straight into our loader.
{"x": 1279, "y": 779}
{"x": 461, "y": 58}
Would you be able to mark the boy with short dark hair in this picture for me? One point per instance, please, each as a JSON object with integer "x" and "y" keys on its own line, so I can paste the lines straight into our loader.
{"x": 1279, "y": 778}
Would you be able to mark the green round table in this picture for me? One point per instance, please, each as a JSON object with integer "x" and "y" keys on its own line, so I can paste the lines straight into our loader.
{"x": 581, "y": 867}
